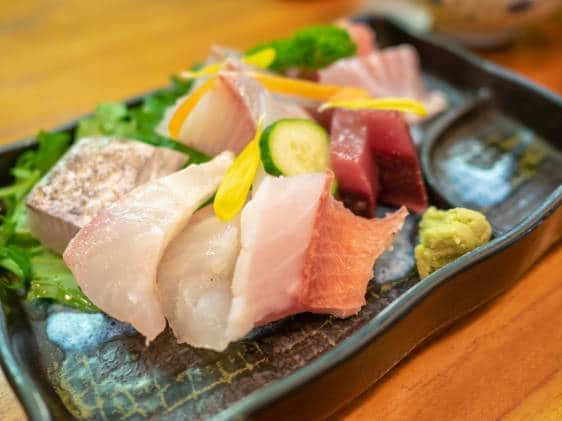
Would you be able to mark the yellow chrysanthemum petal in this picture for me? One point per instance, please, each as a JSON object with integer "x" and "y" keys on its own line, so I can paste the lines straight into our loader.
{"x": 398, "y": 104}
{"x": 235, "y": 185}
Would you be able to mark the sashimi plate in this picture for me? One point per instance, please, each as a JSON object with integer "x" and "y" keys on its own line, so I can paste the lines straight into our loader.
{"x": 496, "y": 149}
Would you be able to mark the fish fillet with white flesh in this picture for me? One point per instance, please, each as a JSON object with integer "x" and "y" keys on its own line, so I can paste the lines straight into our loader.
{"x": 226, "y": 117}
{"x": 194, "y": 279}
{"x": 95, "y": 172}
{"x": 116, "y": 256}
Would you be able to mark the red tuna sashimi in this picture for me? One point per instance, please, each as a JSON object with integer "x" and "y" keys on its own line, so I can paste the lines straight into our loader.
{"x": 400, "y": 175}
{"x": 352, "y": 162}
{"x": 341, "y": 254}
{"x": 361, "y": 34}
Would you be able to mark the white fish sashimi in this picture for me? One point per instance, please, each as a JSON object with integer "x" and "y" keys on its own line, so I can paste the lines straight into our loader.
{"x": 194, "y": 280}
{"x": 276, "y": 226}
{"x": 115, "y": 257}
{"x": 226, "y": 117}
{"x": 390, "y": 72}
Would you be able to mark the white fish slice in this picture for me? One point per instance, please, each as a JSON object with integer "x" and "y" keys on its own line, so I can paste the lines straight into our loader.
{"x": 226, "y": 117}
{"x": 276, "y": 226}
{"x": 194, "y": 280}
{"x": 115, "y": 257}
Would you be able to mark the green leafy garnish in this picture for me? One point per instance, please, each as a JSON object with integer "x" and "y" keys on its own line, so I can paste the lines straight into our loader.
{"x": 20, "y": 262}
{"x": 25, "y": 265}
{"x": 310, "y": 48}
{"x": 50, "y": 278}
{"x": 115, "y": 119}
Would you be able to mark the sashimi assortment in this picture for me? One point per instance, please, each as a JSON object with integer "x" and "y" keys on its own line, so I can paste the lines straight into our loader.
{"x": 245, "y": 194}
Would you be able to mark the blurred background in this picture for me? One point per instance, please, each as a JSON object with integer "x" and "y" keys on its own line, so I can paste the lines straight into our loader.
{"x": 61, "y": 57}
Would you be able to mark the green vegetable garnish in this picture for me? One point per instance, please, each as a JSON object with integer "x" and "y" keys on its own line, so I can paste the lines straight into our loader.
{"x": 50, "y": 278}
{"x": 294, "y": 146}
{"x": 19, "y": 266}
{"x": 310, "y": 48}
{"x": 25, "y": 265}
{"x": 115, "y": 119}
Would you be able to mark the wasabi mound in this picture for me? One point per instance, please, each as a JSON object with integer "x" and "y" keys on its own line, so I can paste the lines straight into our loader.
{"x": 448, "y": 234}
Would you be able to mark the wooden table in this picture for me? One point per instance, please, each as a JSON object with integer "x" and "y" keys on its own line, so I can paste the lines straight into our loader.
{"x": 60, "y": 58}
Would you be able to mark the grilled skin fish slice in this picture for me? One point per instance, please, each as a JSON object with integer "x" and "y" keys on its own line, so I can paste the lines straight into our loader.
{"x": 95, "y": 172}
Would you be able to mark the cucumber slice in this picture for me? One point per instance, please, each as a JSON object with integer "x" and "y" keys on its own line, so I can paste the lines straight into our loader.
{"x": 294, "y": 146}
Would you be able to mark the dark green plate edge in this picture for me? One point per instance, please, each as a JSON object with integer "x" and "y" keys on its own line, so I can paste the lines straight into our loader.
{"x": 342, "y": 373}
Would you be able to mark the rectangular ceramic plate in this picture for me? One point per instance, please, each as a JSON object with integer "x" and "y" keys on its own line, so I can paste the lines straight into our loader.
{"x": 497, "y": 149}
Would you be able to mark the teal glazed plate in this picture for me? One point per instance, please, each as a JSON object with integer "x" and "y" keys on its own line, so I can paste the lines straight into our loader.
{"x": 497, "y": 149}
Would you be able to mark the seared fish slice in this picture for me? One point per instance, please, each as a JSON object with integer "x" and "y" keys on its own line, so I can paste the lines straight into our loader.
{"x": 94, "y": 173}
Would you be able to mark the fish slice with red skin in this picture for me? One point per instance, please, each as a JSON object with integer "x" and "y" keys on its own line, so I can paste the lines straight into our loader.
{"x": 340, "y": 257}
{"x": 353, "y": 163}
{"x": 394, "y": 152}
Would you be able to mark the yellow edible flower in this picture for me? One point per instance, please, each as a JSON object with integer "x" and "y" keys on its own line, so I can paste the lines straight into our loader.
{"x": 398, "y": 104}
{"x": 235, "y": 185}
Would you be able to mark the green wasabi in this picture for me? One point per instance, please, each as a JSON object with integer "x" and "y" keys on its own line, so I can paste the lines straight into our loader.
{"x": 448, "y": 234}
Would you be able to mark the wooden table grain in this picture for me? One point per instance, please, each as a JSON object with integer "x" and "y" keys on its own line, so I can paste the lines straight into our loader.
{"x": 61, "y": 57}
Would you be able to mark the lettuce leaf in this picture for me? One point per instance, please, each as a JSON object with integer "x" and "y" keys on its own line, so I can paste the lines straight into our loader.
{"x": 51, "y": 279}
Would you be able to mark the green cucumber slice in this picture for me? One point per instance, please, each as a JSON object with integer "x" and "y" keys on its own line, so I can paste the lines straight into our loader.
{"x": 294, "y": 146}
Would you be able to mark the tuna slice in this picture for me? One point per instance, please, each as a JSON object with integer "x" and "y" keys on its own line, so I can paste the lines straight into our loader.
{"x": 400, "y": 175}
{"x": 115, "y": 257}
{"x": 352, "y": 163}
{"x": 225, "y": 118}
{"x": 320, "y": 259}
{"x": 194, "y": 280}
{"x": 391, "y": 72}
{"x": 341, "y": 255}
{"x": 94, "y": 173}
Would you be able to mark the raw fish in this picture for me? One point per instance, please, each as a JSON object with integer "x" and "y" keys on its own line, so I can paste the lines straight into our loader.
{"x": 95, "y": 172}
{"x": 303, "y": 251}
{"x": 341, "y": 255}
{"x": 276, "y": 227}
{"x": 390, "y": 72}
{"x": 115, "y": 257}
{"x": 194, "y": 279}
{"x": 226, "y": 117}
{"x": 352, "y": 162}
{"x": 394, "y": 152}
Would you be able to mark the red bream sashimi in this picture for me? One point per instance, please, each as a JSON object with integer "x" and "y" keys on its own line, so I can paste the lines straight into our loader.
{"x": 115, "y": 257}
{"x": 390, "y": 72}
{"x": 352, "y": 162}
{"x": 317, "y": 256}
{"x": 226, "y": 116}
